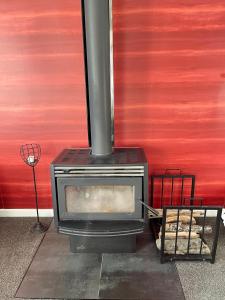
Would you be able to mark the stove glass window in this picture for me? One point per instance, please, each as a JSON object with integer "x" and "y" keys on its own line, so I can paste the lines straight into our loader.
{"x": 100, "y": 199}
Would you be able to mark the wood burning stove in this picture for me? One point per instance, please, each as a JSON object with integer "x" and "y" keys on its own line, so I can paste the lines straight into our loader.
{"x": 100, "y": 196}
{"x": 98, "y": 193}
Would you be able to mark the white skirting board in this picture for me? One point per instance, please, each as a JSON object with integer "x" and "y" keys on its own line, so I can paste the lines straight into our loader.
{"x": 27, "y": 212}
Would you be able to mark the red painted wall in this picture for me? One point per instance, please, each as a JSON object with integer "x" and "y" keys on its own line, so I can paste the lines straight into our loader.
{"x": 42, "y": 95}
{"x": 169, "y": 88}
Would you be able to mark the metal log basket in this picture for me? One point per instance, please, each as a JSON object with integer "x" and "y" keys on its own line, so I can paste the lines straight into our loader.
{"x": 172, "y": 187}
{"x": 200, "y": 245}
{"x": 173, "y": 193}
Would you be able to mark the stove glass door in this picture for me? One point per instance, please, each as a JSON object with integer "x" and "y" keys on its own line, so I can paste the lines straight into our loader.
{"x": 100, "y": 198}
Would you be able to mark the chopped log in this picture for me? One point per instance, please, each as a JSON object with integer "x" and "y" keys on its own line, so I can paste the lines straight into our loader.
{"x": 180, "y": 235}
{"x": 172, "y": 227}
{"x": 182, "y": 219}
{"x": 183, "y": 212}
{"x": 196, "y": 212}
{"x": 182, "y": 246}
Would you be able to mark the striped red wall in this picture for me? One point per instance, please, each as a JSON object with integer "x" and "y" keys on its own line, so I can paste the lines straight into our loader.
{"x": 169, "y": 88}
{"x": 42, "y": 91}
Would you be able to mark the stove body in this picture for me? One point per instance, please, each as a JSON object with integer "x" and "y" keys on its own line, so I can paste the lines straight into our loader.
{"x": 97, "y": 200}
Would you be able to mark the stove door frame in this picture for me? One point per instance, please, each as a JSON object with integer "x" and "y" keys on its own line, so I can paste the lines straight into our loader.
{"x": 62, "y": 182}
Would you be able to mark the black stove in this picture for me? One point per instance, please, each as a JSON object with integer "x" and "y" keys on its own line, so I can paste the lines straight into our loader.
{"x": 100, "y": 197}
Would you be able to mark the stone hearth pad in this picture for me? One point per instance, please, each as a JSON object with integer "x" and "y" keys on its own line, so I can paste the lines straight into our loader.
{"x": 56, "y": 273}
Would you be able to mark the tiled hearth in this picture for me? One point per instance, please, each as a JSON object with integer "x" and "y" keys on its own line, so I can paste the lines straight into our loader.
{"x": 56, "y": 273}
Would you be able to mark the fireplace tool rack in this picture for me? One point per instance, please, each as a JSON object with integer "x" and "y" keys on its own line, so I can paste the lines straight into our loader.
{"x": 184, "y": 229}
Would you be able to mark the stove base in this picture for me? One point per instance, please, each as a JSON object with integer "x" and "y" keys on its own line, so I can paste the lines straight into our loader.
{"x": 117, "y": 244}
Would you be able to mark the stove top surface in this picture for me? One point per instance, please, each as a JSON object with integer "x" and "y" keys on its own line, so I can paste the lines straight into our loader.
{"x": 82, "y": 156}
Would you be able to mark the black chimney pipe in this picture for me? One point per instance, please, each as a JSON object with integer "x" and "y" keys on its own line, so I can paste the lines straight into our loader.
{"x": 96, "y": 32}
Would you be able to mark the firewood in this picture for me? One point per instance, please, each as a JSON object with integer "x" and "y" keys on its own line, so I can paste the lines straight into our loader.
{"x": 196, "y": 212}
{"x": 182, "y": 219}
{"x": 180, "y": 235}
{"x": 182, "y": 246}
{"x": 183, "y": 212}
{"x": 172, "y": 227}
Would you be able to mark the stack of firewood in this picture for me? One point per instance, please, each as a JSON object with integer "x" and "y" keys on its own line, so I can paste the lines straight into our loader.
{"x": 180, "y": 229}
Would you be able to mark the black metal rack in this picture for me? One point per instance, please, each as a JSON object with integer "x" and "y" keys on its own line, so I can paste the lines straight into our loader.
{"x": 185, "y": 185}
{"x": 175, "y": 191}
{"x": 209, "y": 241}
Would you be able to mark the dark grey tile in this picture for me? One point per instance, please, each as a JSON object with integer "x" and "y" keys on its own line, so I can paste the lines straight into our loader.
{"x": 57, "y": 273}
{"x": 146, "y": 244}
{"x": 135, "y": 276}
{"x": 52, "y": 228}
{"x": 54, "y": 244}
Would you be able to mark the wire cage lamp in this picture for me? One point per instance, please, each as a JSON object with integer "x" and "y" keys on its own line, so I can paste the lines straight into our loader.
{"x": 31, "y": 154}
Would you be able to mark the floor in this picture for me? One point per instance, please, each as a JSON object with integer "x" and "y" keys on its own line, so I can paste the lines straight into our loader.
{"x": 55, "y": 272}
{"x": 18, "y": 247}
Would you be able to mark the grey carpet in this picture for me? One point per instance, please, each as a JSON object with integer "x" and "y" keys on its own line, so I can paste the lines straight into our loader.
{"x": 17, "y": 248}
{"x": 203, "y": 280}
